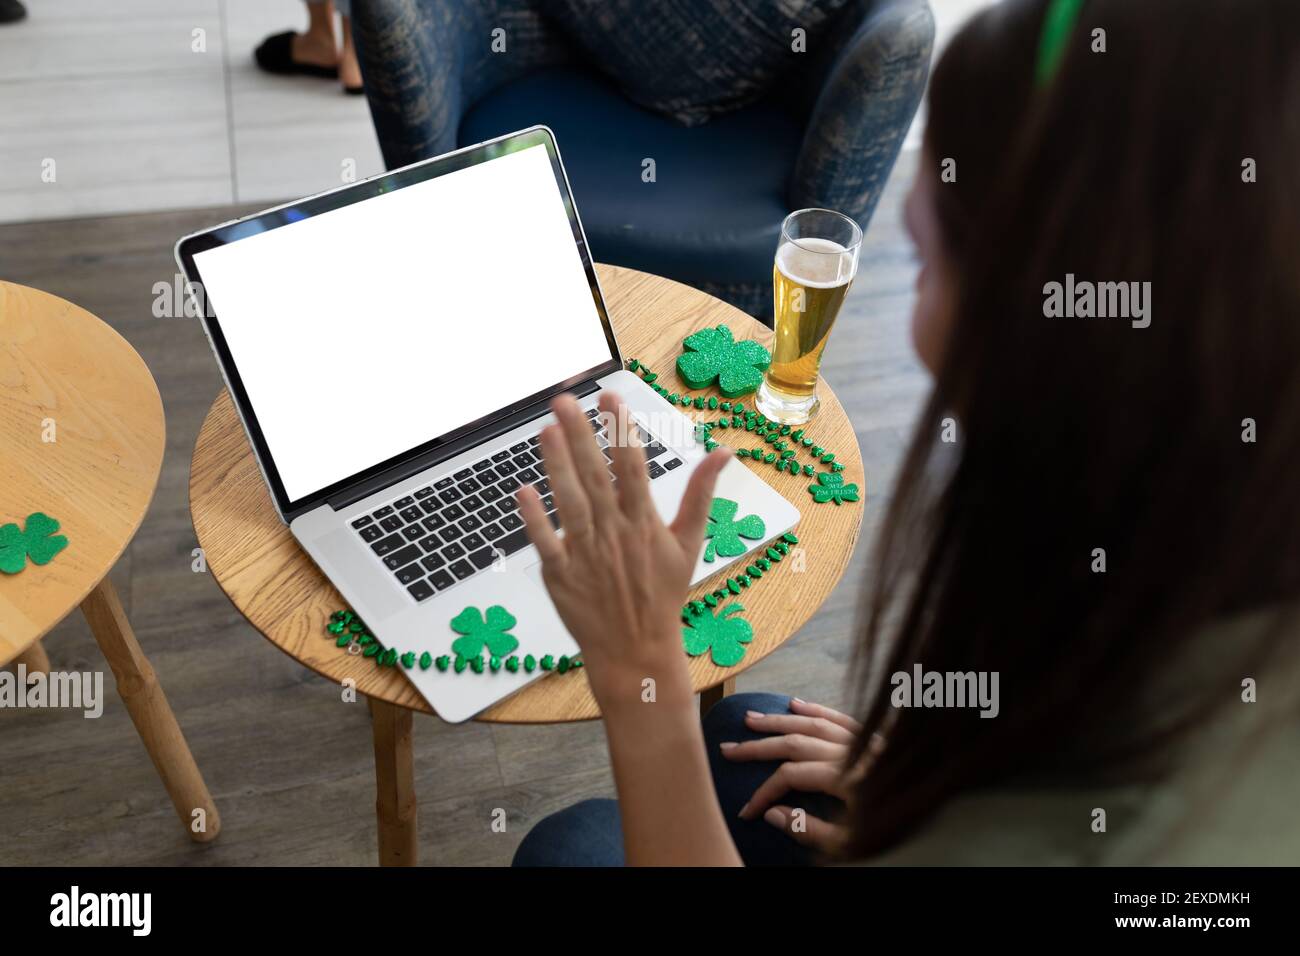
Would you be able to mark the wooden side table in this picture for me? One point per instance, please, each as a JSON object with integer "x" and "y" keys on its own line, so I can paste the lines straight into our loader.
{"x": 82, "y": 432}
{"x": 280, "y": 591}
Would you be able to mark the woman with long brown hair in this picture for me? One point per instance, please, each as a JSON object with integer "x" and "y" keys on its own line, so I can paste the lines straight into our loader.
{"x": 1106, "y": 215}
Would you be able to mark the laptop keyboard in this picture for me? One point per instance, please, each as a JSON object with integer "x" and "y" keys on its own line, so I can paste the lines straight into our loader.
{"x": 454, "y": 528}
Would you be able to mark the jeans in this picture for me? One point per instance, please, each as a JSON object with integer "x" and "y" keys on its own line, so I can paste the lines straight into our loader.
{"x": 590, "y": 833}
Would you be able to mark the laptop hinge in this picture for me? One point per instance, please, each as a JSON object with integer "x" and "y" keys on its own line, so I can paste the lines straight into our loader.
{"x": 364, "y": 489}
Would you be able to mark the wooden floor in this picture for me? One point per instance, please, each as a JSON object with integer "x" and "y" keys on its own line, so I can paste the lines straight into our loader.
{"x": 289, "y": 764}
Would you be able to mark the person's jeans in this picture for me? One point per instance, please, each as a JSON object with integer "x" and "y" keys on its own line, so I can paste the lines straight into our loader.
{"x": 590, "y": 833}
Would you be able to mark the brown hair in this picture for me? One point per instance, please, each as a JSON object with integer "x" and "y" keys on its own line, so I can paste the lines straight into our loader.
{"x": 1075, "y": 434}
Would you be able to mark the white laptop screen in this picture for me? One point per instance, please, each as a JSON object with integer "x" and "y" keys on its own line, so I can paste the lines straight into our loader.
{"x": 368, "y": 330}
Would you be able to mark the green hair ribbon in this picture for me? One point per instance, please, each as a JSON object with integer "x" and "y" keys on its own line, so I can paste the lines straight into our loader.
{"x": 1058, "y": 26}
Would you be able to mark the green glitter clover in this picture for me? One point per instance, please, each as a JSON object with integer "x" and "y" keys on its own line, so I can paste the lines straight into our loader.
{"x": 724, "y": 533}
{"x": 713, "y": 354}
{"x": 831, "y": 487}
{"x": 37, "y": 541}
{"x": 479, "y": 629}
{"x": 724, "y": 634}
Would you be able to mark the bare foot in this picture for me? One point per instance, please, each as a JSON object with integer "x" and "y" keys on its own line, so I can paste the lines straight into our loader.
{"x": 317, "y": 48}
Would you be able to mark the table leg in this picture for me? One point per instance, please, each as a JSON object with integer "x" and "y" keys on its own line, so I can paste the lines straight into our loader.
{"x": 712, "y": 695}
{"x": 37, "y": 661}
{"x": 138, "y": 686}
{"x": 395, "y": 804}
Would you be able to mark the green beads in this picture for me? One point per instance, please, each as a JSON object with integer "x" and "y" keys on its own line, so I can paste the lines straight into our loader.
{"x": 476, "y": 664}
{"x": 494, "y": 662}
{"x": 512, "y": 663}
{"x": 548, "y": 662}
{"x": 809, "y": 470}
{"x": 713, "y": 402}
{"x": 790, "y": 537}
{"x": 408, "y": 660}
{"x": 530, "y": 663}
{"x": 443, "y": 662}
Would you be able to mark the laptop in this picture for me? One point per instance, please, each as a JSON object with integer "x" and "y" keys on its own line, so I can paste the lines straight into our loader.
{"x": 392, "y": 347}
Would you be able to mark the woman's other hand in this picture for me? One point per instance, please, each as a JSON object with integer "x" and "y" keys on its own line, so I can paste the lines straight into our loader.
{"x": 813, "y": 741}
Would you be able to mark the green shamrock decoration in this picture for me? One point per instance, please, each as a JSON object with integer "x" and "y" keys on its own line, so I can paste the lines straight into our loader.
{"x": 37, "y": 541}
{"x": 713, "y": 354}
{"x": 479, "y": 629}
{"x": 724, "y": 634}
{"x": 724, "y": 533}
{"x": 831, "y": 487}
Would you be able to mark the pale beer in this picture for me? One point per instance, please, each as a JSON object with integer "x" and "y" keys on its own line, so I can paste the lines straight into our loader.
{"x": 810, "y": 278}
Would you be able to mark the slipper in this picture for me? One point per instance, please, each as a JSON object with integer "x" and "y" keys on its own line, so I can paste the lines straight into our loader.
{"x": 275, "y": 55}
{"x": 11, "y": 11}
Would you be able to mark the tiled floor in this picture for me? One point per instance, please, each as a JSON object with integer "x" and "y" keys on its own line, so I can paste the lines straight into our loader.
{"x": 156, "y": 104}
{"x": 146, "y": 105}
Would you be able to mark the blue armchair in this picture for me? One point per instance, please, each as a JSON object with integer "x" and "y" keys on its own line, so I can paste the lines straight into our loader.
{"x": 826, "y": 134}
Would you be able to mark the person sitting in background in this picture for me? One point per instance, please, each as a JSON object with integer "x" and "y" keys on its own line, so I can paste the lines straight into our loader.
{"x": 1114, "y": 532}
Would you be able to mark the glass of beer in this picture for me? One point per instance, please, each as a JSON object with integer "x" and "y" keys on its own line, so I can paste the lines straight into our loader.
{"x": 816, "y": 260}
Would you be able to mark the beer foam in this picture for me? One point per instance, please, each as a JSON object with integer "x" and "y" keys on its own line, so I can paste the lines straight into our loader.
{"x": 816, "y": 263}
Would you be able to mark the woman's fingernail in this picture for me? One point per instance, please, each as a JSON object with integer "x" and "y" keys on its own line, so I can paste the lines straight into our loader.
{"x": 775, "y": 817}
{"x": 798, "y": 700}
{"x": 742, "y": 810}
{"x": 755, "y": 714}
{"x": 727, "y": 745}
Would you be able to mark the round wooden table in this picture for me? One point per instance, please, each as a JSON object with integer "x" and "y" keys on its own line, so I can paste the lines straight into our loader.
{"x": 281, "y": 592}
{"x": 82, "y": 433}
